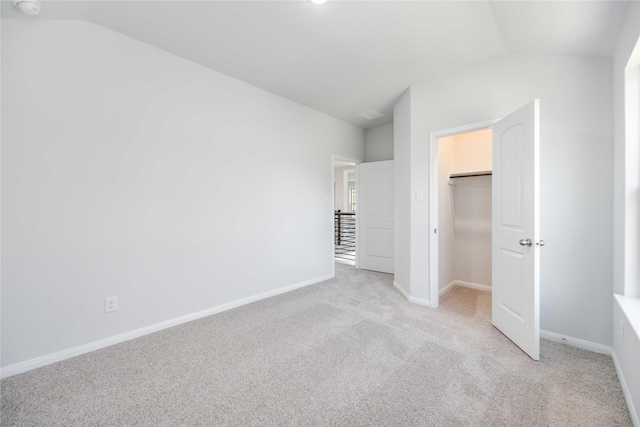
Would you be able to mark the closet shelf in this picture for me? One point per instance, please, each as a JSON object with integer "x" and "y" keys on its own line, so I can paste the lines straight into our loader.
{"x": 467, "y": 174}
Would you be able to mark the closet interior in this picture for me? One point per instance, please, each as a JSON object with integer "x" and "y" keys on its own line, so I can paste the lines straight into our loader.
{"x": 464, "y": 204}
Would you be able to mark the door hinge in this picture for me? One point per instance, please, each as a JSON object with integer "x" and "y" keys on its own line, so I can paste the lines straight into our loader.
{"x": 435, "y": 230}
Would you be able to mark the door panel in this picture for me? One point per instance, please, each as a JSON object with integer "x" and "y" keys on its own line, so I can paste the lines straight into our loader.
{"x": 378, "y": 242}
{"x": 515, "y": 262}
{"x": 511, "y": 297}
{"x": 510, "y": 178}
{"x": 375, "y": 216}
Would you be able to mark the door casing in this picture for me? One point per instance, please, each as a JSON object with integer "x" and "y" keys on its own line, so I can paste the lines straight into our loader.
{"x": 434, "y": 291}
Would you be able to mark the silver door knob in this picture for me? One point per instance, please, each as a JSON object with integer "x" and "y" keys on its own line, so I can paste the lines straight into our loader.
{"x": 526, "y": 242}
{"x": 540, "y": 243}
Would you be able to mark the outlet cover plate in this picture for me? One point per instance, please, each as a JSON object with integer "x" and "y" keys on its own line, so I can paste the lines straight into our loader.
{"x": 110, "y": 304}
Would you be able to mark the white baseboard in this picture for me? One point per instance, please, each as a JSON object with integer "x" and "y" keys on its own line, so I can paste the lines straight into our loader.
{"x": 447, "y": 288}
{"x": 48, "y": 359}
{"x": 402, "y": 291}
{"x": 414, "y": 300}
{"x": 577, "y": 342}
{"x": 635, "y": 418}
{"x": 472, "y": 285}
{"x": 420, "y": 301}
{"x": 464, "y": 284}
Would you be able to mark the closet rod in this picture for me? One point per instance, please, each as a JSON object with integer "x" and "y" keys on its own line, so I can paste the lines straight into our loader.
{"x": 468, "y": 174}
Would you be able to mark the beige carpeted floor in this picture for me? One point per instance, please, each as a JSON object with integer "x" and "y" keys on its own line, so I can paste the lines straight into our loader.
{"x": 349, "y": 351}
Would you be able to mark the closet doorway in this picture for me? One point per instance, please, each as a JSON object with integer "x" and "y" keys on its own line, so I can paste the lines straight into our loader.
{"x": 515, "y": 221}
{"x": 461, "y": 209}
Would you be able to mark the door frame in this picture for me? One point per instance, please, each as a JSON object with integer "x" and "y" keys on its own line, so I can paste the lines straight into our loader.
{"x": 334, "y": 158}
{"x": 434, "y": 248}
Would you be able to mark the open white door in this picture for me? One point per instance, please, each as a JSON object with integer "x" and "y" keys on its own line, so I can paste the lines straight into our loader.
{"x": 375, "y": 216}
{"x": 516, "y": 228}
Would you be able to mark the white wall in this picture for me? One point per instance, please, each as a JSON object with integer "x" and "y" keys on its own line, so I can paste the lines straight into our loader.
{"x": 402, "y": 192}
{"x": 626, "y": 251}
{"x": 576, "y": 175}
{"x": 473, "y": 151}
{"x": 129, "y": 171}
{"x": 351, "y": 184}
{"x": 625, "y": 241}
{"x": 342, "y": 186}
{"x": 472, "y": 206}
{"x": 472, "y": 201}
{"x": 379, "y": 143}
{"x": 446, "y": 233}
{"x": 338, "y": 195}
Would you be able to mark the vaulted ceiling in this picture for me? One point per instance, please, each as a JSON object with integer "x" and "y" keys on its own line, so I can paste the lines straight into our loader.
{"x": 347, "y": 57}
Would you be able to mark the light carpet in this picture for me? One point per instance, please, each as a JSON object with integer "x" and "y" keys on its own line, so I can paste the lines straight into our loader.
{"x": 348, "y": 351}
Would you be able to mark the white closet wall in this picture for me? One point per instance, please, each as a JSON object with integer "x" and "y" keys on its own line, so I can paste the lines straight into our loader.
{"x": 472, "y": 205}
{"x": 446, "y": 237}
{"x": 472, "y": 151}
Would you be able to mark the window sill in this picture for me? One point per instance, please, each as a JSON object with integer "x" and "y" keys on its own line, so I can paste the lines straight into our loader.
{"x": 631, "y": 309}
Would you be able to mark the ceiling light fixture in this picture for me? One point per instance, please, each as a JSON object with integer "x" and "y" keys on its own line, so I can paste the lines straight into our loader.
{"x": 318, "y": 1}
{"x": 28, "y": 7}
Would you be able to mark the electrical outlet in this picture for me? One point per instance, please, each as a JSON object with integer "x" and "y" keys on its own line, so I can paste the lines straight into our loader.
{"x": 287, "y": 266}
{"x": 621, "y": 328}
{"x": 110, "y": 304}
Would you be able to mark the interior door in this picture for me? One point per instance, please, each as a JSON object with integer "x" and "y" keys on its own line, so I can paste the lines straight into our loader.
{"x": 375, "y": 216}
{"x": 516, "y": 228}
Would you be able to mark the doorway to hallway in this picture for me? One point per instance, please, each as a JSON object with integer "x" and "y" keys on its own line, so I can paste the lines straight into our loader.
{"x": 344, "y": 211}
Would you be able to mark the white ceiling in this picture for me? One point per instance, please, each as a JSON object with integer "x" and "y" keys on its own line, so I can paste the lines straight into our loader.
{"x": 346, "y": 57}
